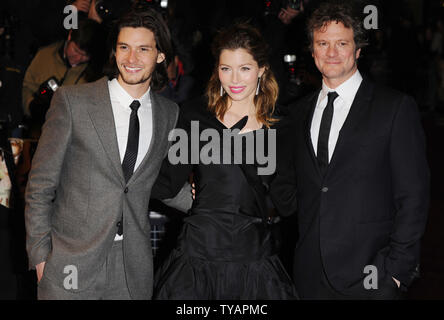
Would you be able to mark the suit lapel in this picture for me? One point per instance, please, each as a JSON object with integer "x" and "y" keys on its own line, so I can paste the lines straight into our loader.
{"x": 157, "y": 116}
{"x": 355, "y": 117}
{"x": 307, "y": 128}
{"x": 101, "y": 114}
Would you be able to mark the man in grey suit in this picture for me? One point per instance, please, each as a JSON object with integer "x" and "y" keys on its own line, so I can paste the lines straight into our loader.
{"x": 102, "y": 145}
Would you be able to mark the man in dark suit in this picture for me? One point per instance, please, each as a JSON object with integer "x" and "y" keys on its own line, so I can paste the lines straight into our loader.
{"x": 357, "y": 174}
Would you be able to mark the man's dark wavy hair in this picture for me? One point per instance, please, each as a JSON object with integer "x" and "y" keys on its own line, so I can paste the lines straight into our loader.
{"x": 149, "y": 18}
{"x": 333, "y": 11}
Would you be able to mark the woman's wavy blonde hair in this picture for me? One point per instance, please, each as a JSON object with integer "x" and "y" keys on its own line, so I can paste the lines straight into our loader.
{"x": 244, "y": 36}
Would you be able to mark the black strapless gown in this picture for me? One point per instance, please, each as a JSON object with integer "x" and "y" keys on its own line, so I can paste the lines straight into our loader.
{"x": 226, "y": 250}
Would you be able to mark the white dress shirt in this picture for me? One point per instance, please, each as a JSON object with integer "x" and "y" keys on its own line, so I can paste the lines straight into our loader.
{"x": 120, "y": 102}
{"x": 341, "y": 106}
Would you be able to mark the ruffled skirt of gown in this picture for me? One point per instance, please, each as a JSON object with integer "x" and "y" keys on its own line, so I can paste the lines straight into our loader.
{"x": 182, "y": 277}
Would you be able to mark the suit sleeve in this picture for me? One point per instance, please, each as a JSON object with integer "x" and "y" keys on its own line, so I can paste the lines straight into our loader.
{"x": 283, "y": 191}
{"x": 183, "y": 201}
{"x": 411, "y": 180}
{"x": 44, "y": 178}
{"x": 172, "y": 178}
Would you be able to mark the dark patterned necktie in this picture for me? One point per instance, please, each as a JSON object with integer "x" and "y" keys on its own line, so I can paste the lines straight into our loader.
{"x": 324, "y": 133}
{"x": 132, "y": 146}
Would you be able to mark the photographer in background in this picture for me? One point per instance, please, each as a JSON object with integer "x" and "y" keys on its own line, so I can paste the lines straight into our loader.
{"x": 282, "y": 23}
{"x": 76, "y": 60}
{"x": 291, "y": 61}
{"x": 104, "y": 11}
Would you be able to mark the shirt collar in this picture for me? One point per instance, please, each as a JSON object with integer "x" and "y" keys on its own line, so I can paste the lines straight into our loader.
{"x": 346, "y": 90}
{"x": 125, "y": 98}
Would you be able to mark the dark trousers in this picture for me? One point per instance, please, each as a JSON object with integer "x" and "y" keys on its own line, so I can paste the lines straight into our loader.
{"x": 8, "y": 278}
{"x": 316, "y": 286}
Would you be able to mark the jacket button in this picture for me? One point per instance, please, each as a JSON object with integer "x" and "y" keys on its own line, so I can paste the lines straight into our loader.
{"x": 324, "y": 189}
{"x": 126, "y": 190}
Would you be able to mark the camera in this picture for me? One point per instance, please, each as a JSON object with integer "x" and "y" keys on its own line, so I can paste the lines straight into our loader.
{"x": 290, "y": 61}
{"x": 272, "y": 8}
{"x": 109, "y": 10}
{"x": 46, "y": 90}
{"x": 42, "y": 99}
{"x": 294, "y": 4}
{"x": 160, "y": 5}
{"x": 293, "y": 87}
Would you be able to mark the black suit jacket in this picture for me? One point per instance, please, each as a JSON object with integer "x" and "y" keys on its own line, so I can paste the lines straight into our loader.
{"x": 372, "y": 202}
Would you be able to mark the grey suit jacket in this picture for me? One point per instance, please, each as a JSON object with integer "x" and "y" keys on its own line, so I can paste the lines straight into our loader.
{"x": 76, "y": 191}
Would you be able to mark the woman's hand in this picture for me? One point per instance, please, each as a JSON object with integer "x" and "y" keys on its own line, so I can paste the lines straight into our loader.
{"x": 193, "y": 190}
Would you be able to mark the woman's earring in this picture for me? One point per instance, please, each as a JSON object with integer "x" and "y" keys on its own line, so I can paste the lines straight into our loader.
{"x": 221, "y": 90}
{"x": 258, "y": 85}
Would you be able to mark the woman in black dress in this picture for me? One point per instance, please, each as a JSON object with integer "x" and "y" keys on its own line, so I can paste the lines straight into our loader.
{"x": 226, "y": 249}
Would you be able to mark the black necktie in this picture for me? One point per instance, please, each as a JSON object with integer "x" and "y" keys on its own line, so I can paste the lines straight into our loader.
{"x": 132, "y": 148}
{"x": 324, "y": 133}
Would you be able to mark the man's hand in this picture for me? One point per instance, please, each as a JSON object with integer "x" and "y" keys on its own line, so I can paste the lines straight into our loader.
{"x": 82, "y": 5}
{"x": 39, "y": 268}
{"x": 193, "y": 190}
{"x": 92, "y": 13}
{"x": 398, "y": 283}
{"x": 286, "y": 15}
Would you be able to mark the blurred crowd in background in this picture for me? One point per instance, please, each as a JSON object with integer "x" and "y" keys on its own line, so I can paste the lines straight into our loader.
{"x": 405, "y": 50}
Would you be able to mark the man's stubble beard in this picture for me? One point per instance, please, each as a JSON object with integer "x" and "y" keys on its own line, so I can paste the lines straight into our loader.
{"x": 143, "y": 79}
